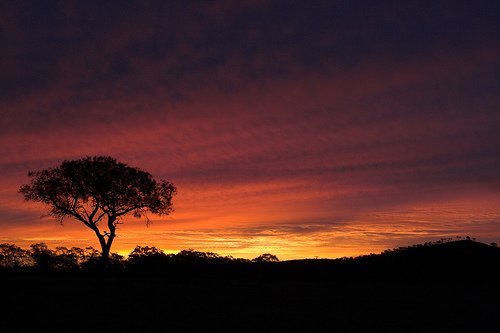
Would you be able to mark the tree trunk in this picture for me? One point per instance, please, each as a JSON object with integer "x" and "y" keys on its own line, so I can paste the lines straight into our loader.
{"x": 105, "y": 252}
{"x": 104, "y": 246}
{"x": 106, "y": 243}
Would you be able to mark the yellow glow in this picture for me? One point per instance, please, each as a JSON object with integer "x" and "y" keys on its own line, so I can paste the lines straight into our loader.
{"x": 246, "y": 228}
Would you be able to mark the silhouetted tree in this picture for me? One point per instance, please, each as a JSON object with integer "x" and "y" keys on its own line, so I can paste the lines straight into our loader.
{"x": 266, "y": 257}
{"x": 194, "y": 256}
{"x": 12, "y": 257}
{"x": 80, "y": 255}
{"x": 146, "y": 258}
{"x": 43, "y": 256}
{"x": 96, "y": 189}
{"x": 145, "y": 251}
{"x": 141, "y": 253}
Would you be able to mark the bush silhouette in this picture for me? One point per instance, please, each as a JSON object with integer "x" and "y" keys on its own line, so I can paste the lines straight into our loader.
{"x": 14, "y": 257}
{"x": 266, "y": 257}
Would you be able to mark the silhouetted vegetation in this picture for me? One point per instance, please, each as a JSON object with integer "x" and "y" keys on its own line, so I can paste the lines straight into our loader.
{"x": 431, "y": 260}
{"x": 266, "y": 257}
{"x": 443, "y": 286}
{"x": 99, "y": 189}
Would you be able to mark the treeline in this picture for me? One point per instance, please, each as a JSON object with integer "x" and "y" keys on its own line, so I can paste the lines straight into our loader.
{"x": 443, "y": 259}
{"x": 40, "y": 257}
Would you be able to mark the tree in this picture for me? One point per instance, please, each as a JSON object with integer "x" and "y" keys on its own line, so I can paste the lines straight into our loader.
{"x": 146, "y": 258}
{"x": 99, "y": 189}
{"x": 13, "y": 257}
{"x": 266, "y": 257}
{"x": 145, "y": 251}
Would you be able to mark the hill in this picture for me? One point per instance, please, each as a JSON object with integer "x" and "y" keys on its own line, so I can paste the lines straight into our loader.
{"x": 448, "y": 287}
{"x": 462, "y": 259}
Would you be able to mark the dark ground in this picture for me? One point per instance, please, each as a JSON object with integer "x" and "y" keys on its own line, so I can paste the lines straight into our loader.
{"x": 377, "y": 294}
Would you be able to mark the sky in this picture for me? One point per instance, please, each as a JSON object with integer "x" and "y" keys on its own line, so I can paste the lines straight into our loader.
{"x": 300, "y": 128}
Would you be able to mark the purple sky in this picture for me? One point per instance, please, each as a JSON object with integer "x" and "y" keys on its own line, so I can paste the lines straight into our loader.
{"x": 299, "y": 128}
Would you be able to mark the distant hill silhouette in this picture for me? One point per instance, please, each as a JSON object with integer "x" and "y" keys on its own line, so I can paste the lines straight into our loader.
{"x": 450, "y": 286}
{"x": 461, "y": 259}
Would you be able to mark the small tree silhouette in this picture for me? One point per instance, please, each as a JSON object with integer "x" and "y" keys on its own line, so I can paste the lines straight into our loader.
{"x": 99, "y": 189}
{"x": 43, "y": 256}
{"x": 145, "y": 251}
{"x": 266, "y": 257}
{"x": 12, "y": 257}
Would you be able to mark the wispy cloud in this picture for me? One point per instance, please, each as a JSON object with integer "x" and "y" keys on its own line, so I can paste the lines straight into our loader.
{"x": 263, "y": 114}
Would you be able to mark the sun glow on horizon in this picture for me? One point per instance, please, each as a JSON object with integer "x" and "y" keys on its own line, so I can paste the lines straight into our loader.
{"x": 366, "y": 233}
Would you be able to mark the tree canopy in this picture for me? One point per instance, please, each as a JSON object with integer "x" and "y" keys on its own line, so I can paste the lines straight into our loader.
{"x": 99, "y": 189}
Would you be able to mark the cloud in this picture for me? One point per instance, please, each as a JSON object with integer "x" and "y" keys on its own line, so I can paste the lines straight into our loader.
{"x": 258, "y": 111}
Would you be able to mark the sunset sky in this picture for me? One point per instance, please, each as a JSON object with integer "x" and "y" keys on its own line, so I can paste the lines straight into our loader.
{"x": 300, "y": 128}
